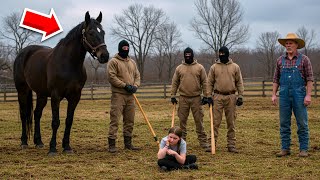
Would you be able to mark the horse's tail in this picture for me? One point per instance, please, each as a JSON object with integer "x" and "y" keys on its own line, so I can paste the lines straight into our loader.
{"x": 29, "y": 113}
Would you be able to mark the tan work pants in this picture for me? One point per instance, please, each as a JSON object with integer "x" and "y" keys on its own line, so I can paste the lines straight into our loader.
{"x": 121, "y": 104}
{"x": 226, "y": 103}
{"x": 193, "y": 103}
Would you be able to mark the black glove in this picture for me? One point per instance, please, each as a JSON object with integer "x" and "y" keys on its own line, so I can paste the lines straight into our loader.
{"x": 174, "y": 100}
{"x": 134, "y": 89}
{"x": 210, "y": 101}
{"x": 128, "y": 88}
{"x": 207, "y": 100}
{"x": 204, "y": 101}
{"x": 239, "y": 101}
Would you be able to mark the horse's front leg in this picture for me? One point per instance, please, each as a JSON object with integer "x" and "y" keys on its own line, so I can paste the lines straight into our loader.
{"x": 55, "y": 104}
{"x": 72, "y": 104}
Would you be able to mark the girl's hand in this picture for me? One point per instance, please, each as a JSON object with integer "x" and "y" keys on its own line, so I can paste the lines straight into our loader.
{"x": 167, "y": 143}
{"x": 171, "y": 152}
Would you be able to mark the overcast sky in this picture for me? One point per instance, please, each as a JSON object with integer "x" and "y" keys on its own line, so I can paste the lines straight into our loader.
{"x": 262, "y": 16}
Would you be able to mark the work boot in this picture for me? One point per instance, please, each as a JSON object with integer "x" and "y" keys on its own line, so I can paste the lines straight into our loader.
{"x": 128, "y": 144}
{"x": 190, "y": 166}
{"x": 303, "y": 154}
{"x": 112, "y": 145}
{"x": 283, "y": 152}
{"x": 233, "y": 150}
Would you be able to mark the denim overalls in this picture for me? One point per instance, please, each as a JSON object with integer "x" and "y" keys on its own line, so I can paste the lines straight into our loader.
{"x": 292, "y": 94}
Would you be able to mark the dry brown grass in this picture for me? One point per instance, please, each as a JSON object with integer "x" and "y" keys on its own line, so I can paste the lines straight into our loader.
{"x": 257, "y": 139}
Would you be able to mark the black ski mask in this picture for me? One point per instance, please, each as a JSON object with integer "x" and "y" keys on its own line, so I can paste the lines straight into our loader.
{"x": 188, "y": 59}
{"x": 224, "y": 58}
{"x": 123, "y": 53}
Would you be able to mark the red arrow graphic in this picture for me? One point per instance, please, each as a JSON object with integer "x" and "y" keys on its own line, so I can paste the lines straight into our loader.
{"x": 48, "y": 25}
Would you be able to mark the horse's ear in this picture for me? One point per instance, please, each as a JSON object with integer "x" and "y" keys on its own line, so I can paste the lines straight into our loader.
{"x": 87, "y": 18}
{"x": 99, "y": 18}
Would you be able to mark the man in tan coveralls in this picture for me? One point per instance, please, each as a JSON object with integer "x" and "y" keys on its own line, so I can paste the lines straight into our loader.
{"x": 124, "y": 78}
{"x": 190, "y": 78}
{"x": 225, "y": 79}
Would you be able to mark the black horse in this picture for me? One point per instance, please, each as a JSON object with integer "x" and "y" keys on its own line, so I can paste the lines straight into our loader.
{"x": 57, "y": 73}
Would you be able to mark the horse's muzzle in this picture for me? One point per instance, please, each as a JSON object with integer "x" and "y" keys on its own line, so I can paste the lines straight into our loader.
{"x": 104, "y": 58}
{"x": 102, "y": 55}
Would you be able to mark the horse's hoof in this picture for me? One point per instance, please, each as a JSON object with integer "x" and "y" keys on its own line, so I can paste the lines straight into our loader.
{"x": 39, "y": 146}
{"x": 68, "y": 151}
{"x": 52, "y": 154}
{"x": 24, "y": 146}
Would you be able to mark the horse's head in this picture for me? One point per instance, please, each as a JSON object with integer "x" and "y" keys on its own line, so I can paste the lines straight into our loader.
{"x": 93, "y": 38}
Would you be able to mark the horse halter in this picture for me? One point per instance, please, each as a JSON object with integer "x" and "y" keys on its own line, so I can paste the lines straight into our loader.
{"x": 93, "y": 49}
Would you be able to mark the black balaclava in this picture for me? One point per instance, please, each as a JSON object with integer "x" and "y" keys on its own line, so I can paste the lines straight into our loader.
{"x": 123, "y": 53}
{"x": 224, "y": 58}
{"x": 188, "y": 59}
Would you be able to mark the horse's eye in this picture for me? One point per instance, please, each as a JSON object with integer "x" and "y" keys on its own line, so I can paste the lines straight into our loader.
{"x": 98, "y": 29}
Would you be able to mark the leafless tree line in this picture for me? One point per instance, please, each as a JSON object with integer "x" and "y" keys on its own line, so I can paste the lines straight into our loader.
{"x": 219, "y": 23}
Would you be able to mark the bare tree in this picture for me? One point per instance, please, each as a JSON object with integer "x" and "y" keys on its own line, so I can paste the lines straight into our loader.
{"x": 309, "y": 38}
{"x": 138, "y": 25}
{"x": 5, "y": 62}
{"x": 94, "y": 65}
{"x": 218, "y": 23}
{"x": 268, "y": 50}
{"x": 18, "y": 37}
{"x": 172, "y": 60}
{"x": 206, "y": 58}
{"x": 159, "y": 58}
{"x": 169, "y": 38}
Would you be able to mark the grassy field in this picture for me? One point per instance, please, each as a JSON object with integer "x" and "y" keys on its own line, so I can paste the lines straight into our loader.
{"x": 257, "y": 139}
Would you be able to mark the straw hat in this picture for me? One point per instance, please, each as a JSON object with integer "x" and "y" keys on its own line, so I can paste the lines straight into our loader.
{"x": 294, "y": 37}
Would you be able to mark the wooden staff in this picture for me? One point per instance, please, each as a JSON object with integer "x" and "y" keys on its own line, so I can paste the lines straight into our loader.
{"x": 147, "y": 121}
{"x": 213, "y": 143}
{"x": 173, "y": 111}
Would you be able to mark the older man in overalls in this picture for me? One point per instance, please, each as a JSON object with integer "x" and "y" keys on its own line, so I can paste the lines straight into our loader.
{"x": 295, "y": 77}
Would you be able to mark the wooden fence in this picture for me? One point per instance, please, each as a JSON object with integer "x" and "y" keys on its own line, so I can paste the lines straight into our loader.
{"x": 154, "y": 90}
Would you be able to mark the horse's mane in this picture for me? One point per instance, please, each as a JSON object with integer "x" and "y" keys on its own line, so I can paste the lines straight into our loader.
{"x": 72, "y": 34}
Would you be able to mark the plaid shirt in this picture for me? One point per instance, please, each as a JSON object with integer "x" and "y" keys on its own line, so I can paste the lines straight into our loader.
{"x": 305, "y": 67}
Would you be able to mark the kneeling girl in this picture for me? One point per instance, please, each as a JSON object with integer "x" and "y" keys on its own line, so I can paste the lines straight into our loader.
{"x": 173, "y": 152}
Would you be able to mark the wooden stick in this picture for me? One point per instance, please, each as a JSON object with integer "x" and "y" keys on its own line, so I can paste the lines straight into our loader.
{"x": 147, "y": 121}
{"x": 213, "y": 143}
{"x": 173, "y": 111}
